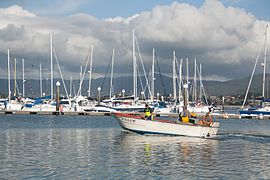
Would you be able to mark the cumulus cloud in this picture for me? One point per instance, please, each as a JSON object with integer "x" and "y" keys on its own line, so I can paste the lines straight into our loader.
{"x": 15, "y": 11}
{"x": 224, "y": 39}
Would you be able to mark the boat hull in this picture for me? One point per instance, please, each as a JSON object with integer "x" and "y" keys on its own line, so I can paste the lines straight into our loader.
{"x": 254, "y": 113}
{"x": 139, "y": 125}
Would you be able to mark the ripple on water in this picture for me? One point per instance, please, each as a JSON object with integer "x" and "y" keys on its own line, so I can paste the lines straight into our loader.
{"x": 82, "y": 147}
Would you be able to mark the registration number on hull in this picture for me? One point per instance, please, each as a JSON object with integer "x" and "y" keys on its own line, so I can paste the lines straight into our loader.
{"x": 128, "y": 120}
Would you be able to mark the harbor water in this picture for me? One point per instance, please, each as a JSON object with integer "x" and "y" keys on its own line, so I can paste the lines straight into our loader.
{"x": 89, "y": 147}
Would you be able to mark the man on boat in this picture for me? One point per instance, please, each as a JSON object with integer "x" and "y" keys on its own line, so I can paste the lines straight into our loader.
{"x": 207, "y": 120}
{"x": 208, "y": 117}
{"x": 147, "y": 112}
{"x": 184, "y": 115}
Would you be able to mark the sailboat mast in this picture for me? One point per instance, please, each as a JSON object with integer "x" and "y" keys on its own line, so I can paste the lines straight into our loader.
{"x": 195, "y": 80}
{"x": 180, "y": 79}
{"x": 153, "y": 77}
{"x": 15, "y": 83}
{"x": 264, "y": 62}
{"x": 187, "y": 80}
{"x": 134, "y": 66}
{"x": 70, "y": 87}
{"x": 23, "y": 81}
{"x": 111, "y": 85}
{"x": 40, "y": 79}
{"x": 51, "y": 47}
{"x": 90, "y": 71}
{"x": 201, "y": 86}
{"x": 253, "y": 71}
{"x": 174, "y": 77}
{"x": 9, "y": 91}
{"x": 80, "y": 89}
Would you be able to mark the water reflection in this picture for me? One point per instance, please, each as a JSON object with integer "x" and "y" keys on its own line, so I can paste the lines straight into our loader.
{"x": 61, "y": 152}
{"x": 175, "y": 152}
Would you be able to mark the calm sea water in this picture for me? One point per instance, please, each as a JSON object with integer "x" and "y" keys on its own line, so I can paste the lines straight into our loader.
{"x": 84, "y": 147}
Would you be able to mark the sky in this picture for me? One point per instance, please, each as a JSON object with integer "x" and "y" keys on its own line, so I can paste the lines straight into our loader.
{"x": 224, "y": 36}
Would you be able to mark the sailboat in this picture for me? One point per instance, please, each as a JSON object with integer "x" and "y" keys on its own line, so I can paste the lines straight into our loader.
{"x": 11, "y": 104}
{"x": 196, "y": 105}
{"x": 263, "y": 109}
{"x": 132, "y": 103}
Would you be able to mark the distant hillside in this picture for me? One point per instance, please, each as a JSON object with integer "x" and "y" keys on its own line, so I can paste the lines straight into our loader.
{"x": 236, "y": 87}
{"x": 212, "y": 88}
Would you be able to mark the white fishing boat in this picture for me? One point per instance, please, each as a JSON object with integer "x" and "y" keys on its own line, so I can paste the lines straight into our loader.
{"x": 138, "y": 124}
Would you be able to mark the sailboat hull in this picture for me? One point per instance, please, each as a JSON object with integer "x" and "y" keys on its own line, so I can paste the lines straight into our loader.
{"x": 254, "y": 112}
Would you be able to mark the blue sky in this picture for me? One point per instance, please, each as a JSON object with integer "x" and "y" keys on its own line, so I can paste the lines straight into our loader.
{"x": 111, "y": 8}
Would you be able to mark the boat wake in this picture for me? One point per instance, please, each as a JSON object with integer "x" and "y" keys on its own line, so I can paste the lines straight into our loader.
{"x": 258, "y": 138}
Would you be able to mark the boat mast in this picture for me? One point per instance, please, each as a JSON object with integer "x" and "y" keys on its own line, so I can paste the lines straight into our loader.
{"x": 201, "y": 86}
{"x": 51, "y": 47}
{"x": 15, "y": 83}
{"x": 111, "y": 85}
{"x": 187, "y": 81}
{"x": 264, "y": 63}
{"x": 195, "y": 80}
{"x": 90, "y": 71}
{"x": 23, "y": 81}
{"x": 70, "y": 87}
{"x": 180, "y": 80}
{"x": 174, "y": 78}
{"x": 81, "y": 76}
{"x": 253, "y": 71}
{"x": 153, "y": 77}
{"x": 134, "y": 66}
{"x": 9, "y": 91}
{"x": 40, "y": 78}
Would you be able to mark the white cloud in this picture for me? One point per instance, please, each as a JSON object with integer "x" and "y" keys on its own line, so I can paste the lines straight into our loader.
{"x": 121, "y": 19}
{"x": 223, "y": 38}
{"x": 15, "y": 11}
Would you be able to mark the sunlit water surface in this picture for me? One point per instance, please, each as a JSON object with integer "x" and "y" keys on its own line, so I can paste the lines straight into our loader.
{"x": 85, "y": 147}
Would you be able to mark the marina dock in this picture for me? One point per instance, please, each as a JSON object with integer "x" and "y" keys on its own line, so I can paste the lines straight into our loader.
{"x": 84, "y": 113}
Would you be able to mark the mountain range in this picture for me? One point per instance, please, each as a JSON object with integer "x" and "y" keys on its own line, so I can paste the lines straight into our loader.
{"x": 163, "y": 85}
